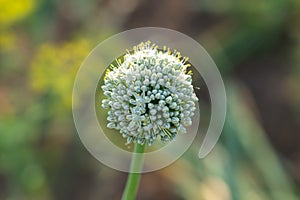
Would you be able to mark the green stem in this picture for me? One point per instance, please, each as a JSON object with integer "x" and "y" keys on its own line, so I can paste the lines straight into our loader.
{"x": 134, "y": 178}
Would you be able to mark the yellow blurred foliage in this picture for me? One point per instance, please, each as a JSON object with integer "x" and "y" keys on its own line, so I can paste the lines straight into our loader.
{"x": 7, "y": 40}
{"x": 12, "y": 11}
{"x": 54, "y": 69}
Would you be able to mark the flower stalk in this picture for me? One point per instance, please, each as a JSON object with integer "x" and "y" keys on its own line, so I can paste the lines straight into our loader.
{"x": 134, "y": 178}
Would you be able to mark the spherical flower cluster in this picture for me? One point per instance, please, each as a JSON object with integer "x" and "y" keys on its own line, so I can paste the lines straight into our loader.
{"x": 149, "y": 94}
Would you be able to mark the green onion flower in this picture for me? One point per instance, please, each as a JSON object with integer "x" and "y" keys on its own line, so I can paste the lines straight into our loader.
{"x": 149, "y": 94}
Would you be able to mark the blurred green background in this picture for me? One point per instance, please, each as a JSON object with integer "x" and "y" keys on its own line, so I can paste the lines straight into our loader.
{"x": 256, "y": 45}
